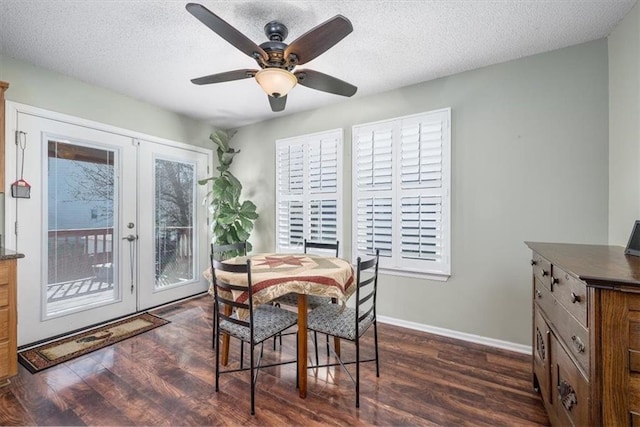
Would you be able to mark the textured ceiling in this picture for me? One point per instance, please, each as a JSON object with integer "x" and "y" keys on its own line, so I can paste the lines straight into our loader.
{"x": 149, "y": 50}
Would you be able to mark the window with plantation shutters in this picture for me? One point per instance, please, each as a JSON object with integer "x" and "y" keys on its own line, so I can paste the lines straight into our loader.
{"x": 308, "y": 190}
{"x": 401, "y": 193}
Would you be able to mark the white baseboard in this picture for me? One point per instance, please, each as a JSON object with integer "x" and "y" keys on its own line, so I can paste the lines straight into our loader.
{"x": 506, "y": 345}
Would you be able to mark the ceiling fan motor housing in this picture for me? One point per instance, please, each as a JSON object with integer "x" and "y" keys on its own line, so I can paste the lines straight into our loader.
{"x": 275, "y": 50}
{"x": 276, "y": 31}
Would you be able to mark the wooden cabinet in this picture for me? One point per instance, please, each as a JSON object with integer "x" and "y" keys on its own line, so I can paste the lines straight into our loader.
{"x": 8, "y": 321}
{"x": 586, "y": 333}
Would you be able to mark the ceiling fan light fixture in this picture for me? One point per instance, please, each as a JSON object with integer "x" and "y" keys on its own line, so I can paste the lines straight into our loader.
{"x": 276, "y": 82}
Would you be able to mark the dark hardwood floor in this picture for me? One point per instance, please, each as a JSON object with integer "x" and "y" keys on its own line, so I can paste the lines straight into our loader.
{"x": 166, "y": 377}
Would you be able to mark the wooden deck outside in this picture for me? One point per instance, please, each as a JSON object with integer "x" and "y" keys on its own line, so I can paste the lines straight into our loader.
{"x": 81, "y": 266}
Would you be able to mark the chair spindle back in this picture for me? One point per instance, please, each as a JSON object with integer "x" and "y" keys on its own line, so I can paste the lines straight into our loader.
{"x": 322, "y": 246}
{"x": 367, "y": 288}
{"x": 223, "y": 293}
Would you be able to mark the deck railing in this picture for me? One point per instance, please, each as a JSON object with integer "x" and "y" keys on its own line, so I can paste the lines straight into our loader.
{"x": 73, "y": 254}
{"x": 83, "y": 253}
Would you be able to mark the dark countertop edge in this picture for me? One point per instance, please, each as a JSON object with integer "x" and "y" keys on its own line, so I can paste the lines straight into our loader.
{"x": 6, "y": 254}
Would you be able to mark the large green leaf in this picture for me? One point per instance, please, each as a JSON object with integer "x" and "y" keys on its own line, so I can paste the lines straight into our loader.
{"x": 233, "y": 180}
{"x": 248, "y": 210}
{"x": 206, "y": 180}
{"x": 246, "y": 223}
{"x": 226, "y": 157}
{"x": 242, "y": 234}
{"x": 233, "y": 236}
{"x": 226, "y": 218}
{"x": 220, "y": 183}
{"x": 223, "y": 190}
{"x": 221, "y": 138}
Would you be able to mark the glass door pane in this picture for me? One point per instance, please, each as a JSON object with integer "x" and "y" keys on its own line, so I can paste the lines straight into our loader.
{"x": 174, "y": 221}
{"x": 81, "y": 204}
{"x": 173, "y": 232}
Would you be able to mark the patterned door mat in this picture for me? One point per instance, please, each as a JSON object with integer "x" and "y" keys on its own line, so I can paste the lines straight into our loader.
{"x": 61, "y": 350}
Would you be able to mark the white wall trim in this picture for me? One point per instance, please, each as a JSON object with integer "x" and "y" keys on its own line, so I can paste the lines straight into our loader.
{"x": 492, "y": 342}
{"x": 13, "y": 108}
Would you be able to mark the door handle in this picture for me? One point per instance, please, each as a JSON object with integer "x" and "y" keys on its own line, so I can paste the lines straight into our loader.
{"x": 132, "y": 257}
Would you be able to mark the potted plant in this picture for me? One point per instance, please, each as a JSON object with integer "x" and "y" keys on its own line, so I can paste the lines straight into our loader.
{"x": 232, "y": 221}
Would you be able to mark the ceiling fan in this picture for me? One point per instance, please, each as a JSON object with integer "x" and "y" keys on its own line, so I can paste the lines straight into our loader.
{"x": 277, "y": 59}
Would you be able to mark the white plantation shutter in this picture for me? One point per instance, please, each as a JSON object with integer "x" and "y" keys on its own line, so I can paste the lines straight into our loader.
{"x": 290, "y": 164}
{"x": 421, "y": 155}
{"x": 374, "y": 164}
{"x": 401, "y": 192}
{"x": 290, "y": 219}
{"x": 323, "y": 221}
{"x": 323, "y": 165}
{"x": 308, "y": 190}
{"x": 421, "y": 225}
{"x": 374, "y": 225}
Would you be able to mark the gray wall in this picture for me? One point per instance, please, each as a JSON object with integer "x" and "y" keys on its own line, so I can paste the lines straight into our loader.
{"x": 56, "y": 92}
{"x": 624, "y": 127}
{"x": 529, "y": 154}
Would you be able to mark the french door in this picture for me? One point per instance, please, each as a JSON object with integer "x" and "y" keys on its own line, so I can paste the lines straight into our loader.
{"x": 111, "y": 226}
{"x": 172, "y": 241}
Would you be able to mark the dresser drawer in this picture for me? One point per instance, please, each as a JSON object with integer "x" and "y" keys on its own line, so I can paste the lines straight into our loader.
{"x": 5, "y": 270}
{"x": 4, "y": 359}
{"x": 574, "y": 335}
{"x": 4, "y": 324}
{"x": 4, "y": 295}
{"x": 570, "y": 389}
{"x": 541, "y": 270}
{"x": 571, "y": 293}
{"x": 545, "y": 300}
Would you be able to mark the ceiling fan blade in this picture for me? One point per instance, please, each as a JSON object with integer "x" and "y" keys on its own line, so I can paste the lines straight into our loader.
{"x": 319, "y": 39}
{"x": 277, "y": 104}
{"x": 224, "y": 77}
{"x": 324, "y": 82}
{"x": 226, "y": 31}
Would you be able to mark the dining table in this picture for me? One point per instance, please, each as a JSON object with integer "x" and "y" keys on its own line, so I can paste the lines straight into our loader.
{"x": 276, "y": 274}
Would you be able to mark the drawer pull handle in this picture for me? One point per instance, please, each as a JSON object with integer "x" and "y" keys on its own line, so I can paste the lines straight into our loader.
{"x": 575, "y": 298}
{"x": 544, "y": 273}
{"x": 538, "y": 293}
{"x": 567, "y": 395}
{"x": 534, "y": 262}
{"x": 555, "y": 280}
{"x": 578, "y": 344}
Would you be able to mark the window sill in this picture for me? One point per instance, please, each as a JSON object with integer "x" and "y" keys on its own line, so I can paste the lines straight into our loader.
{"x": 438, "y": 277}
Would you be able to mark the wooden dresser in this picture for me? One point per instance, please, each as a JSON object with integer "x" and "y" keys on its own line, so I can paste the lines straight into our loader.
{"x": 586, "y": 333}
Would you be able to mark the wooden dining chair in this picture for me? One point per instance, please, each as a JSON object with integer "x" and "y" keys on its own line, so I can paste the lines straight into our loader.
{"x": 351, "y": 323}
{"x": 313, "y": 301}
{"x": 261, "y": 323}
{"x": 221, "y": 253}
